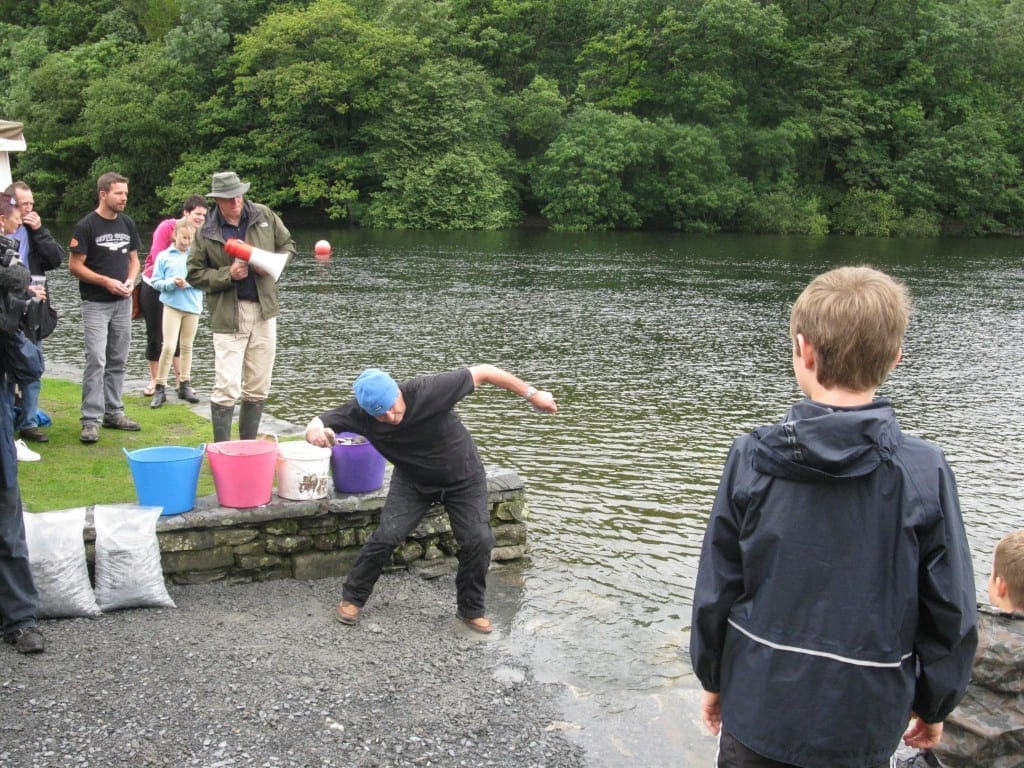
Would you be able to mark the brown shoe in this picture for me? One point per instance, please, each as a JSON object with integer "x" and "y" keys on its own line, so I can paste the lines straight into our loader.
{"x": 33, "y": 435}
{"x": 90, "y": 433}
{"x": 120, "y": 421}
{"x": 347, "y": 613}
{"x": 480, "y": 624}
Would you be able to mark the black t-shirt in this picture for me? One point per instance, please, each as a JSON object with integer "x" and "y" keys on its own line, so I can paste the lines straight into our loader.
{"x": 106, "y": 244}
{"x": 431, "y": 446}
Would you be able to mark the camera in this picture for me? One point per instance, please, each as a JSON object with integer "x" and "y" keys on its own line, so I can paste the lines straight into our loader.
{"x": 8, "y": 251}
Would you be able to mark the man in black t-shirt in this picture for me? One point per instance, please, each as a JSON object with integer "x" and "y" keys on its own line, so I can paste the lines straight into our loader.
{"x": 414, "y": 426}
{"x": 105, "y": 259}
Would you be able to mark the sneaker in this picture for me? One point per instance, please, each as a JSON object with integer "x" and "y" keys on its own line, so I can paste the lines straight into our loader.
{"x": 26, "y": 640}
{"x": 33, "y": 435}
{"x": 120, "y": 421}
{"x": 24, "y": 452}
{"x": 90, "y": 433}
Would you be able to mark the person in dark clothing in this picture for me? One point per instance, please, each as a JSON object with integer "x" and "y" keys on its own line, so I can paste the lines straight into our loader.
{"x": 414, "y": 426}
{"x": 20, "y": 363}
{"x": 834, "y": 600}
{"x": 40, "y": 253}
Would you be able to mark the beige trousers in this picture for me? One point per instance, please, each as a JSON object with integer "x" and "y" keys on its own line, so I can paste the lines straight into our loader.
{"x": 244, "y": 361}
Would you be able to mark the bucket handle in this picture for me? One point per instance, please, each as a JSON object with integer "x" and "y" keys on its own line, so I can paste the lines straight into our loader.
{"x": 202, "y": 450}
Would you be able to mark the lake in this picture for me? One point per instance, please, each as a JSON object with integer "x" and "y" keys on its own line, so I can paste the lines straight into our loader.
{"x": 660, "y": 349}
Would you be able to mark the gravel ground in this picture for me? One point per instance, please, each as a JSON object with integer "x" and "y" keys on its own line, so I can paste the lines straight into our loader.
{"x": 262, "y": 675}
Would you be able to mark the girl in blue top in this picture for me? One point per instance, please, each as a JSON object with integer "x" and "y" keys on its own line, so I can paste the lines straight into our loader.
{"x": 182, "y": 307}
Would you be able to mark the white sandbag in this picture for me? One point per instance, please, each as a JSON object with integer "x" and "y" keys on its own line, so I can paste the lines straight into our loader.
{"x": 128, "y": 571}
{"x": 56, "y": 556}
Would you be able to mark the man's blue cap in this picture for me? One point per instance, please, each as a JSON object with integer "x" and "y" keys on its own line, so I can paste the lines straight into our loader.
{"x": 375, "y": 391}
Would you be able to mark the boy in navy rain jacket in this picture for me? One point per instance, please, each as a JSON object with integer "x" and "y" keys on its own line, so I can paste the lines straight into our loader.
{"x": 835, "y": 597}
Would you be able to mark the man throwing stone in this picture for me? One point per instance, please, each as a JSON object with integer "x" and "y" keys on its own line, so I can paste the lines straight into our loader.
{"x": 414, "y": 426}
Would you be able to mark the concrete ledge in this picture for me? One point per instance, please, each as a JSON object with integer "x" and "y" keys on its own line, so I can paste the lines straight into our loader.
{"x": 319, "y": 538}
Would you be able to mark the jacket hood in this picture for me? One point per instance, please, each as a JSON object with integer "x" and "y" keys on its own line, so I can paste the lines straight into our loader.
{"x": 815, "y": 442}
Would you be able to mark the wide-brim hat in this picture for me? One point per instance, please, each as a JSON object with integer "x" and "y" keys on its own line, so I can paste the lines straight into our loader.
{"x": 227, "y": 184}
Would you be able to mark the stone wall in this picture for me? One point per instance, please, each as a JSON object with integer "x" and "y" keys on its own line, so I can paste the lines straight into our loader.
{"x": 319, "y": 538}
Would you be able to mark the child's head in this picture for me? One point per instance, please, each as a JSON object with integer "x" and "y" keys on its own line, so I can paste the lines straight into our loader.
{"x": 182, "y": 235}
{"x": 1006, "y": 584}
{"x": 854, "y": 318}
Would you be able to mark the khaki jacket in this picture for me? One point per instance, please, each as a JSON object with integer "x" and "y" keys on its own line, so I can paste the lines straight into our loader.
{"x": 208, "y": 265}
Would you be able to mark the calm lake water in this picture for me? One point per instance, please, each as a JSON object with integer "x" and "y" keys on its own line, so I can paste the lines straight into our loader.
{"x": 659, "y": 349}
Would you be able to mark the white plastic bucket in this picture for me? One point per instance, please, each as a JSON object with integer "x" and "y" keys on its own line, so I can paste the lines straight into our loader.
{"x": 303, "y": 471}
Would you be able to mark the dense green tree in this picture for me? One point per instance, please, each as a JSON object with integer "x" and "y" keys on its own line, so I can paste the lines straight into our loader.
{"x": 438, "y": 150}
{"x": 60, "y": 163}
{"x": 133, "y": 121}
{"x": 516, "y": 40}
{"x": 692, "y": 186}
{"x": 73, "y": 22}
{"x": 153, "y": 17}
{"x": 898, "y": 117}
{"x": 304, "y": 80}
{"x": 584, "y": 180}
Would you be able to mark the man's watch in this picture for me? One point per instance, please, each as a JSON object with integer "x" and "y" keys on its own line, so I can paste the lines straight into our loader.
{"x": 530, "y": 392}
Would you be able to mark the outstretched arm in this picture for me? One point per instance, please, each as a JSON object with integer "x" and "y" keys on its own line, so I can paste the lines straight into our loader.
{"x": 490, "y": 374}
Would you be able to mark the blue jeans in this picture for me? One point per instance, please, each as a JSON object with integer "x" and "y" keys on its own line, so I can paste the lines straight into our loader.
{"x": 28, "y": 406}
{"x": 107, "y": 331}
{"x": 404, "y": 508}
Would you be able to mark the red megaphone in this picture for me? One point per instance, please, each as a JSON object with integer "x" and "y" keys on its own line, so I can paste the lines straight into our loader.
{"x": 271, "y": 263}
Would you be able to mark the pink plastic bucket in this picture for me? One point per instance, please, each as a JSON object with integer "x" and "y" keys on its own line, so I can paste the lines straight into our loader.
{"x": 243, "y": 471}
{"x": 356, "y": 465}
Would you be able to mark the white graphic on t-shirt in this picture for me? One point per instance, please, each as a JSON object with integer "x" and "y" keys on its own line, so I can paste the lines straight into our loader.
{"x": 116, "y": 241}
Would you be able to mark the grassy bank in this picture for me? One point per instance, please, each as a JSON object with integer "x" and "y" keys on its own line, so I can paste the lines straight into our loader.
{"x": 72, "y": 474}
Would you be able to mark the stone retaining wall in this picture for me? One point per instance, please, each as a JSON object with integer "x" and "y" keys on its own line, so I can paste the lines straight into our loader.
{"x": 320, "y": 538}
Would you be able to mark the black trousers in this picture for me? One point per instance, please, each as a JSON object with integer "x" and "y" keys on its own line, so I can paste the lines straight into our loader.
{"x": 404, "y": 508}
{"x": 732, "y": 754}
{"x": 153, "y": 314}
{"x": 18, "y": 600}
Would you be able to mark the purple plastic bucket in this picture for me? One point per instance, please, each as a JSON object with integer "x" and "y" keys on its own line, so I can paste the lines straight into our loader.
{"x": 357, "y": 467}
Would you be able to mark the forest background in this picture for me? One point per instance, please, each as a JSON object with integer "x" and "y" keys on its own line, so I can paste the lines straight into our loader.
{"x": 866, "y": 117}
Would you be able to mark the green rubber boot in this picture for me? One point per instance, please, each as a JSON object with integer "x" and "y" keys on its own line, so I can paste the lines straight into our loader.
{"x": 221, "y": 416}
{"x": 249, "y": 419}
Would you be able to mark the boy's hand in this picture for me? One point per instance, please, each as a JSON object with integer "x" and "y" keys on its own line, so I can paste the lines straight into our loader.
{"x": 921, "y": 734}
{"x": 711, "y": 711}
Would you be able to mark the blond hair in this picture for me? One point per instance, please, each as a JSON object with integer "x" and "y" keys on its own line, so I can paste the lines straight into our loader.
{"x": 855, "y": 318}
{"x": 183, "y": 224}
{"x": 1008, "y": 563}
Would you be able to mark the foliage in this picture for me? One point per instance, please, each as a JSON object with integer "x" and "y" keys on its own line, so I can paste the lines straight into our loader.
{"x": 691, "y": 114}
{"x": 785, "y": 213}
{"x": 584, "y": 178}
{"x": 866, "y": 212}
{"x": 920, "y": 223}
{"x": 438, "y": 152}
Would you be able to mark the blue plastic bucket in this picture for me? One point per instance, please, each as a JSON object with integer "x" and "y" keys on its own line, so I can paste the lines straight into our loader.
{"x": 166, "y": 476}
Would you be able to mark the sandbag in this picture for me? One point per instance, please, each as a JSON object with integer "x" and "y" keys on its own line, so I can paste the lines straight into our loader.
{"x": 128, "y": 570}
{"x": 56, "y": 556}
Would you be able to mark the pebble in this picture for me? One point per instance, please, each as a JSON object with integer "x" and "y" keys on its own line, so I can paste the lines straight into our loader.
{"x": 248, "y": 675}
